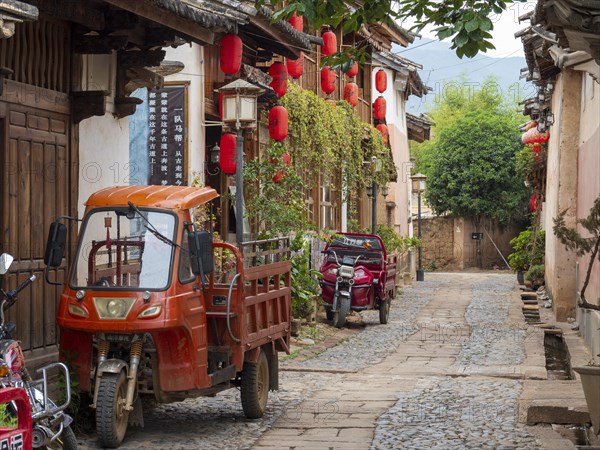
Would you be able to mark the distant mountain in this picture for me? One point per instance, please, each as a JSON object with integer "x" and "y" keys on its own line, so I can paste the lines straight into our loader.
{"x": 442, "y": 70}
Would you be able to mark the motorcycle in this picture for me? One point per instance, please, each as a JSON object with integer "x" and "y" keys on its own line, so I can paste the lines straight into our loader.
{"x": 363, "y": 279}
{"x": 51, "y": 425}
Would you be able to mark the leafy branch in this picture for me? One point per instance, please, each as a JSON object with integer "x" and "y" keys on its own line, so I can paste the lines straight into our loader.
{"x": 574, "y": 241}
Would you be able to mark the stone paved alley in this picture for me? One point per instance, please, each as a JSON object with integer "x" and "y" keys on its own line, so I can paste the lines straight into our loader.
{"x": 446, "y": 372}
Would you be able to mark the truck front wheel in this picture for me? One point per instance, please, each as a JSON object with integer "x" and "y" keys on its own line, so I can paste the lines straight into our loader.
{"x": 255, "y": 387}
{"x": 111, "y": 415}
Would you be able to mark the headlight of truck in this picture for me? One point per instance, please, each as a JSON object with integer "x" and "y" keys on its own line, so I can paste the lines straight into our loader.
{"x": 110, "y": 308}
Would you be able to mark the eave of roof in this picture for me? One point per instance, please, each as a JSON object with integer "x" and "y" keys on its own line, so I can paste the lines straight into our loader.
{"x": 18, "y": 10}
{"x": 279, "y": 37}
{"x": 419, "y": 128}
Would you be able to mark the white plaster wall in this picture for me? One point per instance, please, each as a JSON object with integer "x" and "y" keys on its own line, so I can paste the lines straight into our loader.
{"x": 588, "y": 190}
{"x": 103, "y": 140}
{"x": 193, "y": 59}
{"x": 396, "y": 122}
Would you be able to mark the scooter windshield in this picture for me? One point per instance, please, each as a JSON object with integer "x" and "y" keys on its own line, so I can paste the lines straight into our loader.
{"x": 118, "y": 249}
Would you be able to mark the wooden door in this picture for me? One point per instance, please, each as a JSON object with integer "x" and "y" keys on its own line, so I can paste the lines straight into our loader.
{"x": 37, "y": 170}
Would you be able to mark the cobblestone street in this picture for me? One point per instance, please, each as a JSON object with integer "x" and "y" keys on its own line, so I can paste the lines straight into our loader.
{"x": 446, "y": 372}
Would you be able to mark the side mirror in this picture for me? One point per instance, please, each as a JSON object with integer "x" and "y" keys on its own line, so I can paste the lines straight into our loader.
{"x": 55, "y": 246}
{"x": 201, "y": 252}
{"x": 6, "y": 260}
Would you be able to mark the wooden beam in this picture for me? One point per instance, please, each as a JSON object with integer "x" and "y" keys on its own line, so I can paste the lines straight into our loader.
{"x": 85, "y": 104}
{"x": 133, "y": 58}
{"x": 98, "y": 45}
{"x": 166, "y": 18}
{"x": 87, "y": 13}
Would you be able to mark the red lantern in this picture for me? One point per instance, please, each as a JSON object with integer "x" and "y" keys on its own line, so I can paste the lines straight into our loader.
{"x": 353, "y": 71}
{"x": 296, "y": 67}
{"x": 379, "y": 108}
{"x": 227, "y": 154}
{"x": 327, "y": 80}
{"x": 278, "y": 123}
{"x": 381, "y": 80}
{"x": 329, "y": 43}
{"x": 287, "y": 160}
{"x": 383, "y": 129}
{"x": 533, "y": 203}
{"x": 297, "y": 22}
{"x": 351, "y": 93}
{"x": 278, "y": 72}
{"x": 230, "y": 59}
{"x": 332, "y": 102}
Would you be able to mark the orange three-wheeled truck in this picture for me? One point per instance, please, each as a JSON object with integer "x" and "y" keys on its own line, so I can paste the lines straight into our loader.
{"x": 142, "y": 313}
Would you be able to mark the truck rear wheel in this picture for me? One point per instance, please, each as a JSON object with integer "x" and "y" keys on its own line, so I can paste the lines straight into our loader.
{"x": 111, "y": 415}
{"x": 255, "y": 387}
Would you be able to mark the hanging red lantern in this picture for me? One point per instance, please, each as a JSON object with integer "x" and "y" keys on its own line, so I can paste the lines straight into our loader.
{"x": 297, "y": 22}
{"x": 327, "y": 80}
{"x": 381, "y": 80}
{"x": 278, "y": 72}
{"x": 351, "y": 93}
{"x": 526, "y": 138}
{"x": 296, "y": 67}
{"x": 379, "y": 108}
{"x": 227, "y": 156}
{"x": 353, "y": 71}
{"x": 533, "y": 203}
{"x": 539, "y": 138}
{"x": 383, "y": 129}
{"x": 329, "y": 43}
{"x": 230, "y": 54}
{"x": 278, "y": 123}
{"x": 332, "y": 102}
{"x": 280, "y": 174}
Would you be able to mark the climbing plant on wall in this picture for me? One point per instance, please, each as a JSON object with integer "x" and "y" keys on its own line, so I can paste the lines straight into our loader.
{"x": 331, "y": 140}
{"x": 325, "y": 142}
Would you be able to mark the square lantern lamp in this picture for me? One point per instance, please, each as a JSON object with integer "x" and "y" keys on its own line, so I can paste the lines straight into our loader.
{"x": 418, "y": 182}
{"x": 239, "y": 104}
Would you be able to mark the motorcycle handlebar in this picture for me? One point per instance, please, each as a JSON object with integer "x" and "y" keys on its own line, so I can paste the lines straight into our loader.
{"x": 12, "y": 294}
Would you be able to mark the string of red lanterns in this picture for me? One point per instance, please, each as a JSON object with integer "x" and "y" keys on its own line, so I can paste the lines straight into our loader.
{"x": 230, "y": 54}
{"x": 279, "y": 75}
{"x": 351, "y": 93}
{"x": 295, "y": 67}
{"x": 227, "y": 155}
{"x": 383, "y": 129}
{"x": 281, "y": 174}
{"x": 327, "y": 80}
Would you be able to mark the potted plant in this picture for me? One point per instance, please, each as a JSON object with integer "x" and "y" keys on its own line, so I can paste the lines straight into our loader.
{"x": 528, "y": 251}
{"x": 573, "y": 240}
{"x": 536, "y": 276}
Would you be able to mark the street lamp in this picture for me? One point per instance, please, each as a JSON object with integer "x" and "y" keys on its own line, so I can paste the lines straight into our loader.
{"x": 214, "y": 158}
{"x": 418, "y": 186}
{"x": 239, "y": 112}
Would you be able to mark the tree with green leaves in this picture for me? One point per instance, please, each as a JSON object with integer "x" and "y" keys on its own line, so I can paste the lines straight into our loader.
{"x": 470, "y": 162}
{"x": 466, "y": 22}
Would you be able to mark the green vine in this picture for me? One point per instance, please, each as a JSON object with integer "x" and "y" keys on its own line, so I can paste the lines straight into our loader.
{"x": 328, "y": 144}
{"x": 331, "y": 141}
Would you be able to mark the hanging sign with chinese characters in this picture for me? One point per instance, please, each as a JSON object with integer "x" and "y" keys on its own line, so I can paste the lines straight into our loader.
{"x": 167, "y": 135}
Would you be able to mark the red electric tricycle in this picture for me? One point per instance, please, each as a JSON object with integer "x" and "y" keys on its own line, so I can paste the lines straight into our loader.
{"x": 143, "y": 314}
{"x": 357, "y": 275}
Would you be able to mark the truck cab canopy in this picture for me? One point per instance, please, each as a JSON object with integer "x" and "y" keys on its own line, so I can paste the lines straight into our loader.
{"x": 170, "y": 197}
